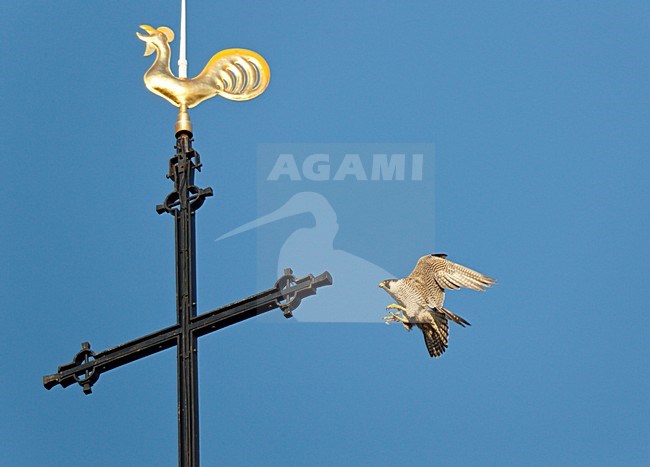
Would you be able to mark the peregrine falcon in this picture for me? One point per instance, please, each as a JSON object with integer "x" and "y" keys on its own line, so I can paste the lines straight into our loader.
{"x": 421, "y": 294}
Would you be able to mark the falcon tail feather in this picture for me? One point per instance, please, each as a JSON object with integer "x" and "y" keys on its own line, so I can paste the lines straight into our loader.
{"x": 435, "y": 345}
{"x": 455, "y": 318}
{"x": 449, "y": 315}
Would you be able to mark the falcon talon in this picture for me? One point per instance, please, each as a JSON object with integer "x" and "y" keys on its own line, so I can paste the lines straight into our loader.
{"x": 394, "y": 317}
{"x": 395, "y": 306}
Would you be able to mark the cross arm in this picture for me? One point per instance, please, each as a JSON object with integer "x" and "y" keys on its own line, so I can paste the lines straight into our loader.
{"x": 286, "y": 295}
{"x": 86, "y": 367}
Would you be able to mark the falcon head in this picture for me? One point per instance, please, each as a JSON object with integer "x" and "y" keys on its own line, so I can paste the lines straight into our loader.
{"x": 388, "y": 284}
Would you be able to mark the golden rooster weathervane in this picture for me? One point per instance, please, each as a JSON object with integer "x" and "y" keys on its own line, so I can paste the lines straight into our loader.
{"x": 236, "y": 74}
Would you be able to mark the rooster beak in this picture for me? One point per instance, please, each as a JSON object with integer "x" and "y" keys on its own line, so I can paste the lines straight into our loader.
{"x": 149, "y": 49}
{"x": 147, "y": 38}
{"x": 148, "y": 28}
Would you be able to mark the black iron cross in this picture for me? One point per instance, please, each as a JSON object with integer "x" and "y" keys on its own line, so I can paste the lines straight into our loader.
{"x": 182, "y": 203}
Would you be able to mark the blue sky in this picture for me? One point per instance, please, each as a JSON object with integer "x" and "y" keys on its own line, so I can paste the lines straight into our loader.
{"x": 538, "y": 113}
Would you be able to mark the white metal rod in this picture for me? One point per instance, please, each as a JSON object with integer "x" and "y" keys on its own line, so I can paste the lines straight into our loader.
{"x": 182, "y": 58}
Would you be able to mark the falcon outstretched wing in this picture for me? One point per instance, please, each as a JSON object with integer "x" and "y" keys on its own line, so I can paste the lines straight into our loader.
{"x": 436, "y": 272}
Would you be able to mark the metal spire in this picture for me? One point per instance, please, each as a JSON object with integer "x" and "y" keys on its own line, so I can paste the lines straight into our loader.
{"x": 235, "y": 74}
{"x": 182, "y": 57}
{"x": 182, "y": 203}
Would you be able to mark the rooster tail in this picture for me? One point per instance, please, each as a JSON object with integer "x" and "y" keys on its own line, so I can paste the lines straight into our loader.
{"x": 239, "y": 74}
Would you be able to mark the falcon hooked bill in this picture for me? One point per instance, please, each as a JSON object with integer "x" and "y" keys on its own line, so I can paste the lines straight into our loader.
{"x": 421, "y": 294}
